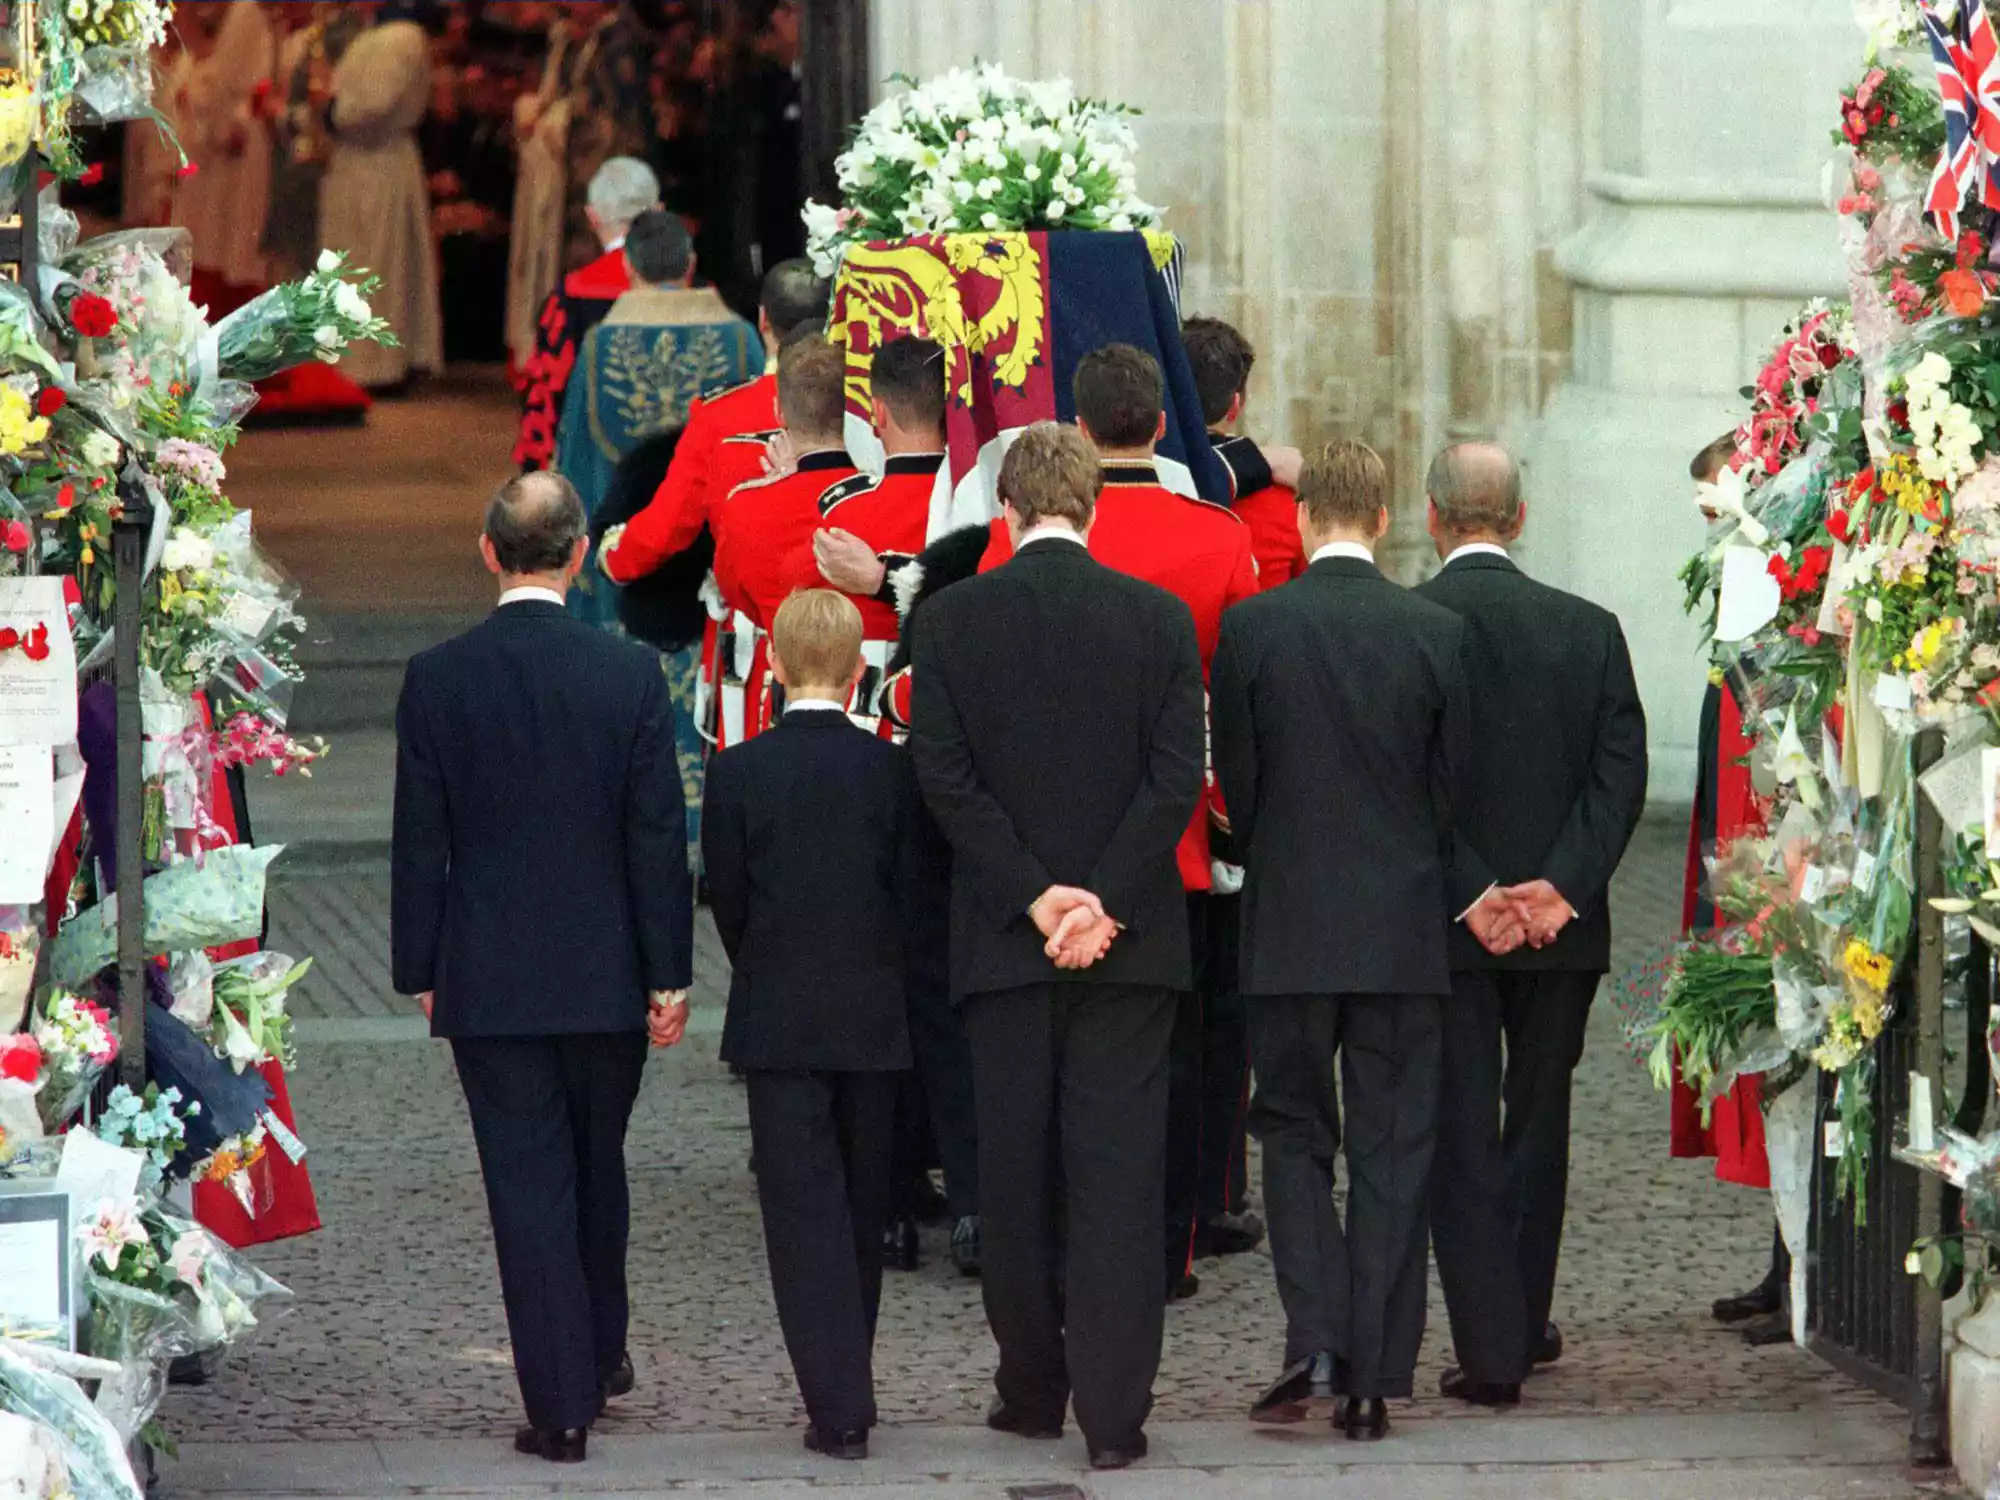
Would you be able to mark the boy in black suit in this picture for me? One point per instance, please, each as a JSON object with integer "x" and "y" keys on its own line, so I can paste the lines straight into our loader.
{"x": 810, "y": 839}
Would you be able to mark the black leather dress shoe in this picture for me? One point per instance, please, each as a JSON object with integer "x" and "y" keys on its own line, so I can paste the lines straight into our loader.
{"x": 1003, "y": 1418}
{"x": 1547, "y": 1349}
{"x": 621, "y": 1379}
{"x": 565, "y": 1447}
{"x": 847, "y": 1445}
{"x": 1312, "y": 1382}
{"x": 1232, "y": 1234}
{"x": 965, "y": 1245}
{"x": 1122, "y": 1456}
{"x": 1365, "y": 1419}
{"x": 901, "y": 1250}
{"x": 1760, "y": 1300}
{"x": 1772, "y": 1328}
{"x": 1456, "y": 1384}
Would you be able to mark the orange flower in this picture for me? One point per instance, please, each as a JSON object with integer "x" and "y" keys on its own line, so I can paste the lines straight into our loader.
{"x": 1963, "y": 292}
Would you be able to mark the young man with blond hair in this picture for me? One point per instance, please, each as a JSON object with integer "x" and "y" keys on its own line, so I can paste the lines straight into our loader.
{"x": 811, "y": 842}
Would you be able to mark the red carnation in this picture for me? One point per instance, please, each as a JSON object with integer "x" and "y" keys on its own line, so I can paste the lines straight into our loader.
{"x": 50, "y": 400}
{"x": 91, "y": 175}
{"x": 1839, "y": 526}
{"x": 21, "y": 1061}
{"x": 16, "y": 536}
{"x": 92, "y": 316}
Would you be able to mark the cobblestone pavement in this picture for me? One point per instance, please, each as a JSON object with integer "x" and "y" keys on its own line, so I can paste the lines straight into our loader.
{"x": 399, "y": 1332}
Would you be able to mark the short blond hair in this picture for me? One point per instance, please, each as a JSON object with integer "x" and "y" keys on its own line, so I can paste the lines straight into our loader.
{"x": 1344, "y": 487}
{"x": 1052, "y": 473}
{"x": 817, "y": 635}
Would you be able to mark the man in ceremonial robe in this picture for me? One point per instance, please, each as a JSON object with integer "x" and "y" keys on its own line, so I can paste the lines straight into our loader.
{"x": 622, "y": 189}
{"x": 222, "y": 204}
{"x": 375, "y": 204}
{"x": 661, "y": 344}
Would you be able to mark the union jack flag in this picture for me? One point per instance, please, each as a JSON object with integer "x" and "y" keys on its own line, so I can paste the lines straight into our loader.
{"x": 1968, "y": 69}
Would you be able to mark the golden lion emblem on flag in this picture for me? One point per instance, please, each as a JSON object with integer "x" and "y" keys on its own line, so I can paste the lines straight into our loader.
{"x": 977, "y": 295}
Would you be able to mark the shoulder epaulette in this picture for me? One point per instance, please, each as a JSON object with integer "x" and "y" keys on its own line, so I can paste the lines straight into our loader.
{"x": 1208, "y": 505}
{"x": 846, "y": 489}
{"x": 760, "y": 437}
{"x": 713, "y": 396}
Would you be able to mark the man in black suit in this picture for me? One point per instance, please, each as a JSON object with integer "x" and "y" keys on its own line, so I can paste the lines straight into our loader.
{"x": 540, "y": 897}
{"x": 1338, "y": 707}
{"x": 1552, "y": 790}
{"x": 1057, "y": 729}
{"x": 812, "y": 843}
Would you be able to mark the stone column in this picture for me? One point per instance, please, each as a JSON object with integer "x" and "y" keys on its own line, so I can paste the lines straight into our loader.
{"x": 1703, "y": 235}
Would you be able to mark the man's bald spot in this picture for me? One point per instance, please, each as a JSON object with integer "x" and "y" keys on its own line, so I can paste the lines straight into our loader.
{"x": 1476, "y": 487}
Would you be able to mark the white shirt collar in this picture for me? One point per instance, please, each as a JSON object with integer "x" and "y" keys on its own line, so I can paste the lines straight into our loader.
{"x": 814, "y": 705}
{"x": 1042, "y": 530}
{"x": 1354, "y": 551}
{"x": 529, "y": 594}
{"x": 1473, "y": 549}
{"x": 613, "y": 246}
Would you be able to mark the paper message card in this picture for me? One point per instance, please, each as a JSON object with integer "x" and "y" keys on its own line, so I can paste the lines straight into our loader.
{"x": 1748, "y": 597}
{"x": 36, "y": 1265}
{"x": 37, "y": 664}
{"x": 27, "y": 822}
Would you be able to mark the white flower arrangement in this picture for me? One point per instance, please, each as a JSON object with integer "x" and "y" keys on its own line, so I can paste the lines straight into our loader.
{"x": 1945, "y": 431}
{"x": 977, "y": 150}
{"x": 1889, "y": 23}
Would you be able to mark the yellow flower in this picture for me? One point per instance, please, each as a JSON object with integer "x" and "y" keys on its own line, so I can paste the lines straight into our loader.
{"x": 19, "y": 428}
{"x": 1873, "y": 969}
{"x": 1926, "y": 644}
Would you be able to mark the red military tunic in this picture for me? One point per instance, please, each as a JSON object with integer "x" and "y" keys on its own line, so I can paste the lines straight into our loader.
{"x": 1269, "y": 509}
{"x": 721, "y": 447}
{"x": 1198, "y": 552}
{"x": 891, "y": 514}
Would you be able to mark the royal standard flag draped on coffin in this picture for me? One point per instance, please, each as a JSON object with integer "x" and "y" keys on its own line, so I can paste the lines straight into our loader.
{"x": 1015, "y": 310}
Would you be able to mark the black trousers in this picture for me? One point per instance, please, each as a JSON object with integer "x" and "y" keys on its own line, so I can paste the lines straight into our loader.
{"x": 1225, "y": 1062}
{"x": 1473, "y": 1223}
{"x": 1071, "y": 1086}
{"x": 1357, "y": 1295}
{"x": 1208, "y": 1078}
{"x": 824, "y": 1143}
{"x": 1544, "y": 1016}
{"x": 549, "y": 1117}
{"x": 943, "y": 1082}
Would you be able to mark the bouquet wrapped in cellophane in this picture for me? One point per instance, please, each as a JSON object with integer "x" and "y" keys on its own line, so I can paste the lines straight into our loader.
{"x": 315, "y": 318}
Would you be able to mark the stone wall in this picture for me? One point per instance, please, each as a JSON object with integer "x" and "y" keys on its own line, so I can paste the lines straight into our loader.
{"x": 1575, "y": 224}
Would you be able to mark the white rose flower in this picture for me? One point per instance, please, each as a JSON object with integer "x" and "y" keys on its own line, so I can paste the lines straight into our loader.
{"x": 989, "y": 189}
{"x": 1031, "y": 173}
{"x": 1933, "y": 369}
{"x": 962, "y": 190}
{"x": 1073, "y": 196}
{"x": 350, "y": 304}
{"x": 187, "y": 550}
{"x": 1056, "y": 210}
{"x": 1121, "y": 223}
{"x": 100, "y": 449}
{"x": 1873, "y": 609}
{"x": 328, "y": 263}
{"x": 989, "y": 221}
{"x": 327, "y": 336}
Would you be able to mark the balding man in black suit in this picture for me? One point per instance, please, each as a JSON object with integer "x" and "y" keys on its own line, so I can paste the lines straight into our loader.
{"x": 540, "y": 895}
{"x": 1553, "y": 786}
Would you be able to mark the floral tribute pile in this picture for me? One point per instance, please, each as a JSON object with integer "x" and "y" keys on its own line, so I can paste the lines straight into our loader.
{"x": 115, "y": 389}
{"x": 1850, "y": 586}
{"x": 978, "y": 150}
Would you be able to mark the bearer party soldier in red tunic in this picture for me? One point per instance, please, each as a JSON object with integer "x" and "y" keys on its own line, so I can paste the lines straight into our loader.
{"x": 764, "y": 523}
{"x": 620, "y": 190}
{"x": 891, "y": 515}
{"x": 1221, "y": 360}
{"x": 723, "y": 443}
{"x": 1202, "y": 554}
